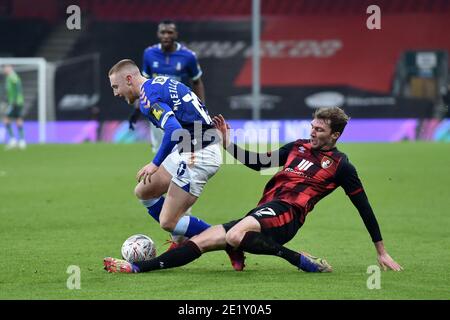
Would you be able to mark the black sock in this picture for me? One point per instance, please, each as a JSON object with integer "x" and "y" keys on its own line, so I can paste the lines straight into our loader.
{"x": 229, "y": 248}
{"x": 257, "y": 243}
{"x": 171, "y": 259}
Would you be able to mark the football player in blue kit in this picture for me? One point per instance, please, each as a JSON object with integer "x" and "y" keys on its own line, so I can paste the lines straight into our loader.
{"x": 189, "y": 154}
{"x": 170, "y": 58}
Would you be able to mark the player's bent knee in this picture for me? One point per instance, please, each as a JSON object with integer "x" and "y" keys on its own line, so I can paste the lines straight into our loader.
{"x": 234, "y": 238}
{"x": 144, "y": 192}
{"x": 167, "y": 225}
{"x": 138, "y": 192}
{"x": 211, "y": 239}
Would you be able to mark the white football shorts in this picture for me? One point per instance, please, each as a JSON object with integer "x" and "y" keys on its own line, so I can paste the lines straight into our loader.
{"x": 191, "y": 170}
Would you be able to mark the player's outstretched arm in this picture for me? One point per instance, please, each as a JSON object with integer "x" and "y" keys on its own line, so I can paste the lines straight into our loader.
{"x": 240, "y": 154}
{"x": 224, "y": 129}
{"x": 348, "y": 178}
{"x": 253, "y": 160}
{"x": 384, "y": 259}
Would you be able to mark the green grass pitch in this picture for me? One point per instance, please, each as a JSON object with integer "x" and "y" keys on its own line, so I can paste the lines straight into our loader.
{"x": 63, "y": 205}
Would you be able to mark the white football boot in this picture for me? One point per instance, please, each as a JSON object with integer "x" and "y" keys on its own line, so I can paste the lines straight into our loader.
{"x": 11, "y": 144}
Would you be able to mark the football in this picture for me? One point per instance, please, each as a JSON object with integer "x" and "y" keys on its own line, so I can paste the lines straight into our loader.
{"x": 138, "y": 247}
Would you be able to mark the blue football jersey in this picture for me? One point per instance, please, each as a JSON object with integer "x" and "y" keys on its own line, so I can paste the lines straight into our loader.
{"x": 169, "y": 104}
{"x": 162, "y": 97}
{"x": 181, "y": 64}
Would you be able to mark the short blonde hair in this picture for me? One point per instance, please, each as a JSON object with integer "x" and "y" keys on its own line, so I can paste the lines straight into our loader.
{"x": 122, "y": 64}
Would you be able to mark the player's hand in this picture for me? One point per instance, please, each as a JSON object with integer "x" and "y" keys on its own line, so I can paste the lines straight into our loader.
{"x": 133, "y": 118}
{"x": 386, "y": 262}
{"x": 146, "y": 173}
{"x": 224, "y": 129}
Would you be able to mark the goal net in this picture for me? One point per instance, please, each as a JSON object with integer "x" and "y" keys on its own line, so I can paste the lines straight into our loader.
{"x": 33, "y": 73}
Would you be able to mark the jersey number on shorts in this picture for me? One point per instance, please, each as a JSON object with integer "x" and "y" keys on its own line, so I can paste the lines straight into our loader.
{"x": 181, "y": 168}
{"x": 265, "y": 211}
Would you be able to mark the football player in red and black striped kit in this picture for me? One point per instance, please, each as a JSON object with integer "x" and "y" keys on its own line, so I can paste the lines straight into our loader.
{"x": 311, "y": 169}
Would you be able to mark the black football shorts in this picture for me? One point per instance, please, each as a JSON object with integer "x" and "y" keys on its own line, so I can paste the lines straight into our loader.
{"x": 279, "y": 220}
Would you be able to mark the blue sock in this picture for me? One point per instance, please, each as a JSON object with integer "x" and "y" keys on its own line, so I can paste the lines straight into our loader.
{"x": 154, "y": 207}
{"x": 135, "y": 268}
{"x": 190, "y": 226}
{"x": 307, "y": 265}
{"x": 10, "y": 130}
{"x": 21, "y": 134}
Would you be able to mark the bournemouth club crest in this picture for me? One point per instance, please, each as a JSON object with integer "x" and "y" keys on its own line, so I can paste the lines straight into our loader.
{"x": 326, "y": 162}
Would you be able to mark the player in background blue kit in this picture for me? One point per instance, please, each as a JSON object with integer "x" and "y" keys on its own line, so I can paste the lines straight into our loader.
{"x": 169, "y": 58}
{"x": 189, "y": 154}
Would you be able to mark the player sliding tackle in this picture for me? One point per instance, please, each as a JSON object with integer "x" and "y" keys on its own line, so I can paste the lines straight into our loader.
{"x": 311, "y": 170}
{"x": 189, "y": 154}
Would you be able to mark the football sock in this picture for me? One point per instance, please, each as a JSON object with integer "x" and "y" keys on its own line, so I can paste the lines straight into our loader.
{"x": 10, "y": 131}
{"x": 154, "y": 207}
{"x": 190, "y": 226}
{"x": 177, "y": 238}
{"x": 21, "y": 135}
{"x": 257, "y": 243}
{"x": 229, "y": 248}
{"x": 174, "y": 258}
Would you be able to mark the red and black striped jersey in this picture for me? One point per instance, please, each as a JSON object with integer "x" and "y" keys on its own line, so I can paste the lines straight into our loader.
{"x": 309, "y": 175}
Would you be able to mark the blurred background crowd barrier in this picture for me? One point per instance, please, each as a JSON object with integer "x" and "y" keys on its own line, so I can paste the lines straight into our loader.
{"x": 393, "y": 82}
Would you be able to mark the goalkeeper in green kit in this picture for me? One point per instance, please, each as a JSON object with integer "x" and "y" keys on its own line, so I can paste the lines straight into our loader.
{"x": 14, "y": 96}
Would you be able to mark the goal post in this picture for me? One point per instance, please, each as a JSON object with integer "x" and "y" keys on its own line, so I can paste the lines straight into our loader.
{"x": 40, "y": 65}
